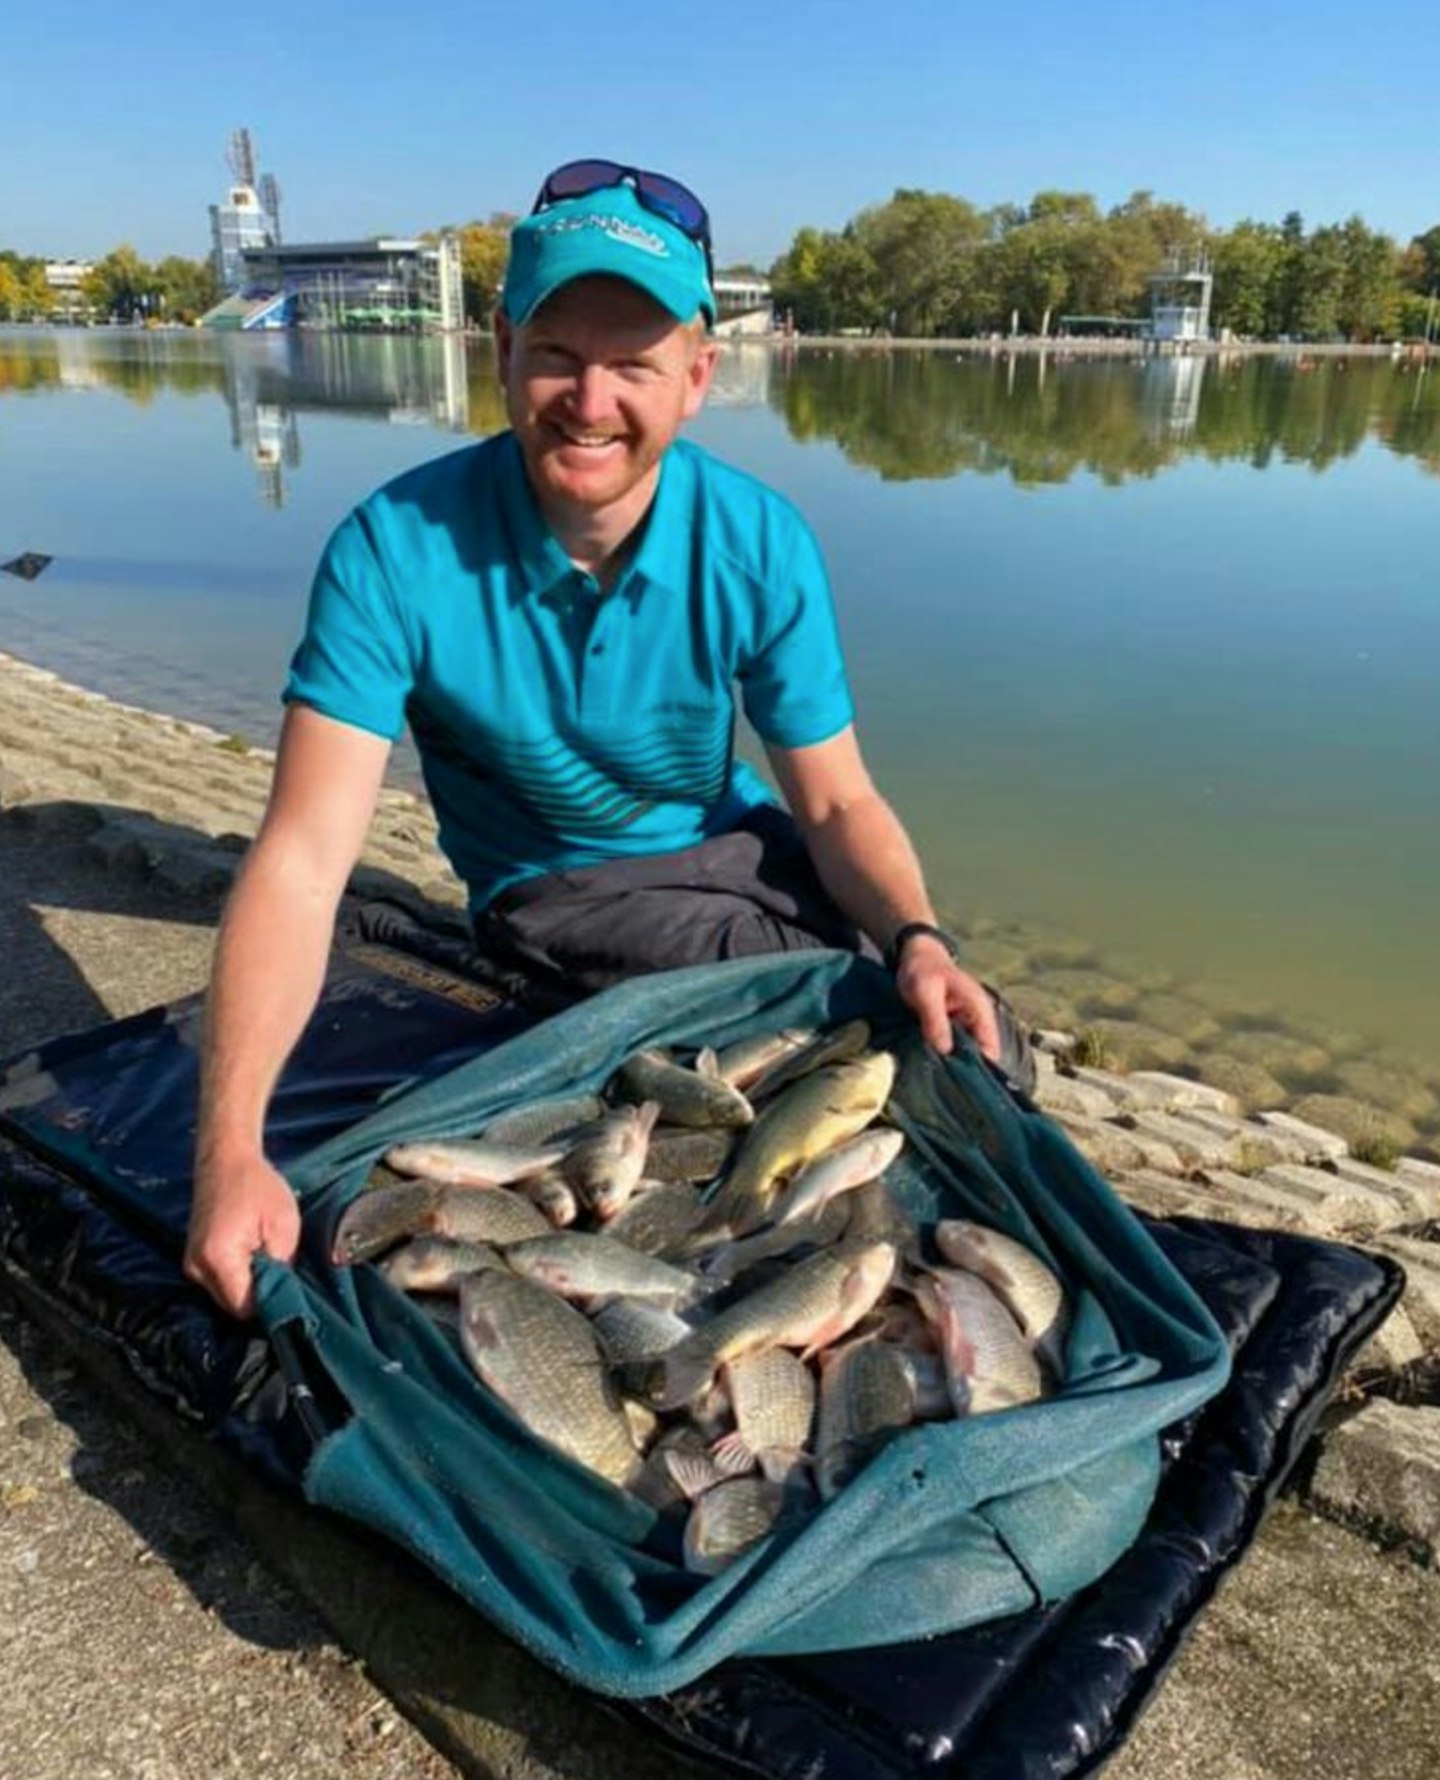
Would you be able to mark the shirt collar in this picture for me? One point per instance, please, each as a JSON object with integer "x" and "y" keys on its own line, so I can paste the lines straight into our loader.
{"x": 660, "y": 559}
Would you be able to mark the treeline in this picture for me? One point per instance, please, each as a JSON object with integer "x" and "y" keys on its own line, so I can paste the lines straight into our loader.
{"x": 121, "y": 287}
{"x": 928, "y": 265}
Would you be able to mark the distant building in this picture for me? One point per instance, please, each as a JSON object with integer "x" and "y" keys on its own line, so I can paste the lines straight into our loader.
{"x": 66, "y": 278}
{"x": 744, "y": 306}
{"x": 237, "y": 226}
{"x": 384, "y": 286}
{"x": 1180, "y": 299}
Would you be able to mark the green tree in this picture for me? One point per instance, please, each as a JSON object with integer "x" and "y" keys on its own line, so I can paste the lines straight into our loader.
{"x": 122, "y": 285}
{"x": 185, "y": 288}
{"x": 484, "y": 248}
{"x": 1248, "y": 263}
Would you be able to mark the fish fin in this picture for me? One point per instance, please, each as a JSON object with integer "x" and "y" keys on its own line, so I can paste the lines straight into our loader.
{"x": 784, "y": 1465}
{"x": 707, "y": 1063}
{"x": 731, "y": 1457}
{"x": 692, "y": 1473}
{"x": 678, "y": 1377}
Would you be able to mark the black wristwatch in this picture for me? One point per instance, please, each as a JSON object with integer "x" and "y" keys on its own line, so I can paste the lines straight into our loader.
{"x": 912, "y": 930}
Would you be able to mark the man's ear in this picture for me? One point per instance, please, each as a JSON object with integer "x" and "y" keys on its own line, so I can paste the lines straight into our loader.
{"x": 698, "y": 376}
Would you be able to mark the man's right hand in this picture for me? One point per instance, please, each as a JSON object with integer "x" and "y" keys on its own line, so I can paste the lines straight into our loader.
{"x": 239, "y": 1210}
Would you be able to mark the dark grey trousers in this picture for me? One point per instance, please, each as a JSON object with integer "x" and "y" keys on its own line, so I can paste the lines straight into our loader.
{"x": 752, "y": 890}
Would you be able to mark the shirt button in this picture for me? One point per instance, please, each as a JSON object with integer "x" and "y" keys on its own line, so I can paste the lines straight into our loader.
{"x": 597, "y": 648}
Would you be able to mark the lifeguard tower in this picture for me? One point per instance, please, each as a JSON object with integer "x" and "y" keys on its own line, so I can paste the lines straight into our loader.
{"x": 1180, "y": 300}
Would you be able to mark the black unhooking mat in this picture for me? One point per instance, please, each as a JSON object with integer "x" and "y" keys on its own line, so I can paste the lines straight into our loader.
{"x": 1045, "y": 1693}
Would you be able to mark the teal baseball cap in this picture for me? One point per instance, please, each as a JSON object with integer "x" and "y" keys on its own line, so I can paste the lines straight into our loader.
{"x": 608, "y": 233}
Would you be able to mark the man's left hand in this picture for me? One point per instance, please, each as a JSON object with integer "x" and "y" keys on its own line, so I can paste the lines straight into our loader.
{"x": 933, "y": 985}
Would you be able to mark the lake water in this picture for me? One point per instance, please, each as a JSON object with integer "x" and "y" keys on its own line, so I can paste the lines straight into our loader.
{"x": 1147, "y": 653}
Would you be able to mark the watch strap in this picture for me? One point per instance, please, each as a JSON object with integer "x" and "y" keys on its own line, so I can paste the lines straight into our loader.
{"x": 913, "y": 930}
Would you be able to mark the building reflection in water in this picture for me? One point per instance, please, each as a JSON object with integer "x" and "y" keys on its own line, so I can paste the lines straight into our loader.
{"x": 1170, "y": 388}
{"x": 742, "y": 375}
{"x": 271, "y": 379}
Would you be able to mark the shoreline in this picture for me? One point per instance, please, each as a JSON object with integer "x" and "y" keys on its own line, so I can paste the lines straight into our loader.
{"x": 1409, "y": 353}
{"x": 182, "y": 800}
{"x": 120, "y": 830}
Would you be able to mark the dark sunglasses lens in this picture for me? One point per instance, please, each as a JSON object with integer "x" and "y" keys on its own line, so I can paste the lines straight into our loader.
{"x": 675, "y": 201}
{"x": 577, "y": 179}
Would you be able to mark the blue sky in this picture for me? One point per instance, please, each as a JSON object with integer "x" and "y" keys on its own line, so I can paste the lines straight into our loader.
{"x": 382, "y": 118}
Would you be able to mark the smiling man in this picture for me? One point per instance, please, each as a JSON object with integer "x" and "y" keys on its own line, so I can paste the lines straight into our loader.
{"x": 562, "y": 614}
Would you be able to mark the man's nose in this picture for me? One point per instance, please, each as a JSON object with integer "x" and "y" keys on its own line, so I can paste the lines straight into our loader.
{"x": 591, "y": 394}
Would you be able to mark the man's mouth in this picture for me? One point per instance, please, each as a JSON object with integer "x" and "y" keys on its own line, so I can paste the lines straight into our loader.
{"x": 585, "y": 440}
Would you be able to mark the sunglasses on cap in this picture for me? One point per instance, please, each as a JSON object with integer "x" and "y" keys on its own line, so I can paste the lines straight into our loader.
{"x": 665, "y": 197}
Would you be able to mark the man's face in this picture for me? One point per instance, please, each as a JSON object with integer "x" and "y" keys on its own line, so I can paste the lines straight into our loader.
{"x": 597, "y": 384}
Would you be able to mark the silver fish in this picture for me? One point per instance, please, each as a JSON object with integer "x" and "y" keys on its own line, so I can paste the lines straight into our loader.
{"x": 747, "y": 1060}
{"x": 676, "y": 1154}
{"x": 606, "y": 1168}
{"x": 541, "y": 1358}
{"x": 728, "y": 1260}
{"x": 877, "y": 1216}
{"x": 811, "y": 1305}
{"x": 728, "y": 1520}
{"x": 629, "y": 1329}
{"x": 678, "y": 1469}
{"x": 588, "y": 1264}
{"x": 659, "y": 1218}
{"x": 849, "y": 1165}
{"x": 988, "y": 1362}
{"x": 559, "y": 1117}
{"x": 473, "y": 1163}
{"x": 773, "y": 1398}
{"x": 866, "y": 1395}
{"x": 554, "y": 1196}
{"x": 436, "y": 1264}
{"x": 685, "y": 1096}
{"x": 1030, "y": 1291}
{"x": 378, "y": 1219}
{"x": 838, "y": 1045}
{"x": 485, "y": 1214}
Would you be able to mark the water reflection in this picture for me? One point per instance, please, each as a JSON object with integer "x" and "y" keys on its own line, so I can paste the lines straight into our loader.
{"x": 1043, "y": 419}
{"x": 1035, "y": 417}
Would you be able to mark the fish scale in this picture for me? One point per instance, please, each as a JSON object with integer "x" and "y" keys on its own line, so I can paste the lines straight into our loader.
{"x": 542, "y": 1359}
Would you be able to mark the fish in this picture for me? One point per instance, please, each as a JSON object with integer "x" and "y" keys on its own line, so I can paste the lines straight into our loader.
{"x": 849, "y": 1165}
{"x": 728, "y": 1520}
{"x": 867, "y": 1394}
{"x": 772, "y": 1395}
{"x": 485, "y": 1214}
{"x": 381, "y": 1217}
{"x": 988, "y": 1361}
{"x": 687, "y": 1097}
{"x": 541, "y": 1358}
{"x": 476, "y": 1162}
{"x": 829, "y": 1105}
{"x": 877, "y": 1216}
{"x": 838, "y": 1045}
{"x": 659, "y": 1218}
{"x": 678, "y": 1469}
{"x": 590, "y": 1264}
{"x": 553, "y": 1195}
{"x": 677, "y": 1154}
{"x": 436, "y": 1264}
{"x": 1030, "y": 1291}
{"x": 558, "y": 1117}
{"x": 630, "y": 1329}
{"x": 726, "y": 1261}
{"x": 606, "y": 1168}
{"x": 810, "y": 1305}
{"x": 747, "y": 1059}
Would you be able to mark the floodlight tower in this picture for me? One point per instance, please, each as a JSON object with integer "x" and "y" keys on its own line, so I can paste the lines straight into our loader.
{"x": 270, "y": 204}
{"x": 240, "y": 158}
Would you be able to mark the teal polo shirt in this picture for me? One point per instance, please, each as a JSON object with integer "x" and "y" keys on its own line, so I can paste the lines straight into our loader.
{"x": 560, "y": 726}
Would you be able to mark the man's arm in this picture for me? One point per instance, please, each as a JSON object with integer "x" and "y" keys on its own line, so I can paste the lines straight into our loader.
{"x": 866, "y": 862}
{"x": 269, "y": 966}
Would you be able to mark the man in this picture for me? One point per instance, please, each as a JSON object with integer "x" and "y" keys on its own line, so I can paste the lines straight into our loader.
{"x": 561, "y": 614}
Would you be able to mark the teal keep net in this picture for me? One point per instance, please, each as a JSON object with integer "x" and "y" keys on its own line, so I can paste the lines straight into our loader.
{"x": 954, "y": 1523}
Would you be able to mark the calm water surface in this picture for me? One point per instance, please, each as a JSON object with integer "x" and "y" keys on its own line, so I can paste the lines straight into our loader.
{"x": 1147, "y": 653}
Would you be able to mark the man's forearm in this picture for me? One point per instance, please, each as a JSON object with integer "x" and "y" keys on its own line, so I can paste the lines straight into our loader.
{"x": 866, "y": 862}
{"x": 269, "y": 967}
